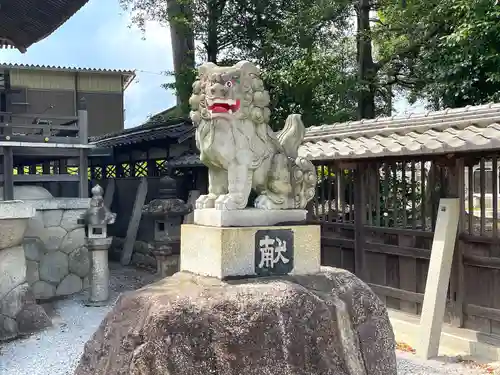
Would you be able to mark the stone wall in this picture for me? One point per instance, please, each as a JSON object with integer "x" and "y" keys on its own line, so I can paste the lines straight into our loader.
{"x": 19, "y": 313}
{"x": 57, "y": 261}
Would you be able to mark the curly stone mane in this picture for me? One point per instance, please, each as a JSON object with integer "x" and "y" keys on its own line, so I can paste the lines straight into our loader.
{"x": 254, "y": 102}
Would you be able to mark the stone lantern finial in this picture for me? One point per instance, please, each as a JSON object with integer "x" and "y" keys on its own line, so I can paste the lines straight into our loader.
{"x": 97, "y": 192}
{"x": 98, "y": 213}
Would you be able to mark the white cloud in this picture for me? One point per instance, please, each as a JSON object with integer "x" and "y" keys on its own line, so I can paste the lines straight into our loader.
{"x": 150, "y": 55}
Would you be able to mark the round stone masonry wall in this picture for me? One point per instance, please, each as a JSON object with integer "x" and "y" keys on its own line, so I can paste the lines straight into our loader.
{"x": 19, "y": 313}
{"x": 57, "y": 260}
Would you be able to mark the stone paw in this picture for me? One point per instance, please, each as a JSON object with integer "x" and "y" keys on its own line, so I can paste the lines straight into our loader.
{"x": 206, "y": 201}
{"x": 219, "y": 202}
{"x": 228, "y": 202}
{"x": 263, "y": 202}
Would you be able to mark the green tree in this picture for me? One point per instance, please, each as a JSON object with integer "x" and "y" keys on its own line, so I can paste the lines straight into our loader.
{"x": 300, "y": 45}
{"x": 458, "y": 63}
{"x": 320, "y": 84}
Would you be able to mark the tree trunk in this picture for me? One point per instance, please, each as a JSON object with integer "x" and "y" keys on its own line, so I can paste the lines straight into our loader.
{"x": 214, "y": 13}
{"x": 181, "y": 31}
{"x": 389, "y": 99}
{"x": 366, "y": 67}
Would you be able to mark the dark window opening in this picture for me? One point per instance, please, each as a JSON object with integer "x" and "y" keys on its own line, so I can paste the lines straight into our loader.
{"x": 161, "y": 226}
{"x": 96, "y": 230}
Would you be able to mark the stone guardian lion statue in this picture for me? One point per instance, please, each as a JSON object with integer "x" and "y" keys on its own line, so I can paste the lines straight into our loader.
{"x": 230, "y": 110}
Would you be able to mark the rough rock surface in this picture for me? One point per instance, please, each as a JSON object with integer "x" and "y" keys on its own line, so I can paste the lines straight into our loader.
{"x": 19, "y": 314}
{"x": 329, "y": 323}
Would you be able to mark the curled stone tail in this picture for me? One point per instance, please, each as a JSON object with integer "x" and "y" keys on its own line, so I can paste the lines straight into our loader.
{"x": 303, "y": 181}
{"x": 292, "y": 135}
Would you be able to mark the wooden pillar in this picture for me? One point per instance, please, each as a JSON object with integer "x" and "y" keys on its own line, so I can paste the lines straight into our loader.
{"x": 83, "y": 125}
{"x": 83, "y": 173}
{"x": 151, "y": 165}
{"x": 339, "y": 175}
{"x": 131, "y": 163}
{"x": 84, "y": 153}
{"x": 46, "y": 167}
{"x": 359, "y": 222}
{"x": 63, "y": 166}
{"x": 8, "y": 174}
{"x": 92, "y": 172}
{"x": 119, "y": 170}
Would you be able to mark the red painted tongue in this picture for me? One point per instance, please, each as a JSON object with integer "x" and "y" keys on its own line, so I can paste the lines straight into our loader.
{"x": 219, "y": 108}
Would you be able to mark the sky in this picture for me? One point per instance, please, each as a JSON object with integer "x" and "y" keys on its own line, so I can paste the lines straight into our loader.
{"x": 99, "y": 36}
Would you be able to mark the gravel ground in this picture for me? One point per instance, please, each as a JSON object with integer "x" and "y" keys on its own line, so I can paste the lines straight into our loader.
{"x": 57, "y": 350}
{"x": 409, "y": 364}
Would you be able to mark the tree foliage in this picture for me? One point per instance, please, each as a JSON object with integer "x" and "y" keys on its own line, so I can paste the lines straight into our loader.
{"x": 443, "y": 51}
{"x": 308, "y": 62}
{"x": 320, "y": 85}
{"x": 452, "y": 49}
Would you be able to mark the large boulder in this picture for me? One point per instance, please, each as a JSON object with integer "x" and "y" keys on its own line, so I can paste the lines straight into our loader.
{"x": 26, "y": 192}
{"x": 329, "y": 323}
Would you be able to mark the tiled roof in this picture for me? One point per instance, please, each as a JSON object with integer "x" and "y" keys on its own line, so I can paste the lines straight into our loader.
{"x": 165, "y": 124}
{"x": 25, "y": 22}
{"x": 472, "y": 128}
{"x": 154, "y": 121}
{"x": 129, "y": 75}
{"x": 173, "y": 128}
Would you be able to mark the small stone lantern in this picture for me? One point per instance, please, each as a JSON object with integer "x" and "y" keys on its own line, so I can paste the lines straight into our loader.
{"x": 166, "y": 213}
{"x": 96, "y": 219}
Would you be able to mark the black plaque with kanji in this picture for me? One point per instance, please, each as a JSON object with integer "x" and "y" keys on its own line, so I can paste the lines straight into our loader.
{"x": 273, "y": 252}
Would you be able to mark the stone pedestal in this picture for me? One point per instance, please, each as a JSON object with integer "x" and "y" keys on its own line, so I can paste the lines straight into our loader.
{"x": 19, "y": 313}
{"x": 237, "y": 252}
{"x": 249, "y": 217}
{"x": 99, "y": 271}
{"x": 163, "y": 254}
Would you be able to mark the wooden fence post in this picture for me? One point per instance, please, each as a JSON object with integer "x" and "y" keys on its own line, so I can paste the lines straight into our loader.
{"x": 84, "y": 153}
{"x": 359, "y": 222}
{"x": 8, "y": 174}
{"x": 83, "y": 123}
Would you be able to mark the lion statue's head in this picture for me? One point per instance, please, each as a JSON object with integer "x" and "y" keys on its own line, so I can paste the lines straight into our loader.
{"x": 233, "y": 93}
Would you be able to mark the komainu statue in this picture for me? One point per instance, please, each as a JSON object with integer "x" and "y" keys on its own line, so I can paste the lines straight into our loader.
{"x": 230, "y": 109}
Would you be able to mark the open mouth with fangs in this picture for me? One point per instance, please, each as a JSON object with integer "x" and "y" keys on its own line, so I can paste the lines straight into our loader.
{"x": 224, "y": 105}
